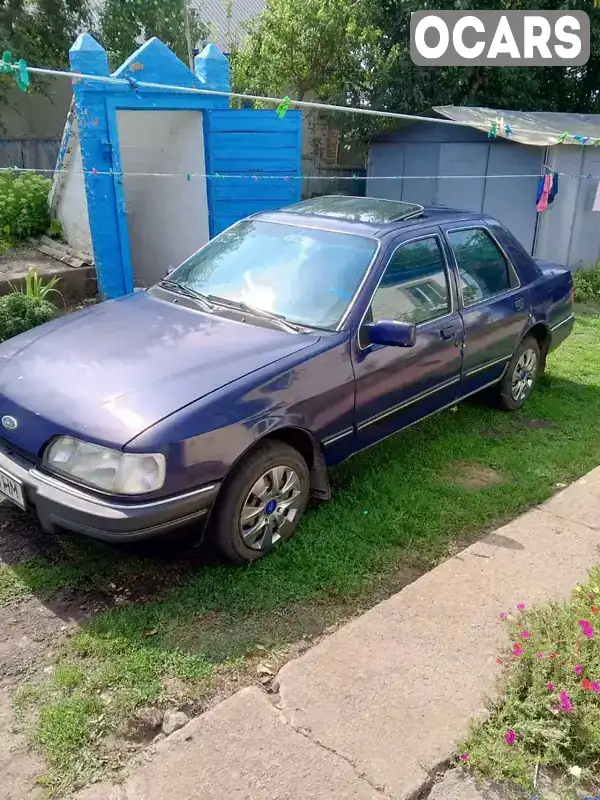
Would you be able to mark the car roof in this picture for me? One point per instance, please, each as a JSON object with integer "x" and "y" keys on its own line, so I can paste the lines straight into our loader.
{"x": 364, "y": 216}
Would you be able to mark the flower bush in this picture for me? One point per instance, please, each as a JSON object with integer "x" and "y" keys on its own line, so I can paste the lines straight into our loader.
{"x": 23, "y": 205}
{"x": 20, "y": 312}
{"x": 548, "y": 711}
{"x": 587, "y": 285}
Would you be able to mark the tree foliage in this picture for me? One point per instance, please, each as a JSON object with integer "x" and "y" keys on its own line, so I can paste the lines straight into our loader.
{"x": 125, "y": 24}
{"x": 42, "y": 31}
{"x": 357, "y": 52}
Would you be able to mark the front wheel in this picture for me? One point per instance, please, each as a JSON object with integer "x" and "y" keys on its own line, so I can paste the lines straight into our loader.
{"x": 520, "y": 376}
{"x": 261, "y": 503}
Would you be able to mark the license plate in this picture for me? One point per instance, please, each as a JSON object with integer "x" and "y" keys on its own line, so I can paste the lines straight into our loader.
{"x": 11, "y": 489}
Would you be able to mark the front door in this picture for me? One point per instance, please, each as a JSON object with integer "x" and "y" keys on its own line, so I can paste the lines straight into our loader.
{"x": 495, "y": 307}
{"x": 396, "y": 386}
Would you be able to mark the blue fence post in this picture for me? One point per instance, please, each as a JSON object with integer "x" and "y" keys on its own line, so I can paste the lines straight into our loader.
{"x": 88, "y": 57}
{"x": 212, "y": 70}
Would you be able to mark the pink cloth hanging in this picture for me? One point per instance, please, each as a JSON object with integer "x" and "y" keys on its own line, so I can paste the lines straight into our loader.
{"x": 543, "y": 201}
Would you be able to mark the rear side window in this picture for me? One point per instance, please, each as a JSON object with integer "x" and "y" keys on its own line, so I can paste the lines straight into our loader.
{"x": 482, "y": 267}
{"x": 414, "y": 287}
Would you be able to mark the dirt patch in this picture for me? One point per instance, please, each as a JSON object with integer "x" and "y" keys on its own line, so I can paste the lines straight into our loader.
{"x": 471, "y": 475}
{"x": 18, "y": 260}
{"x": 537, "y": 423}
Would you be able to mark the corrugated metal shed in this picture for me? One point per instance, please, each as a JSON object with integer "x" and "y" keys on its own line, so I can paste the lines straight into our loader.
{"x": 460, "y": 166}
{"x": 538, "y": 128}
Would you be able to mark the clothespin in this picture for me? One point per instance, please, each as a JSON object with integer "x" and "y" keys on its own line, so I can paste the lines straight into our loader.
{"x": 508, "y": 131}
{"x": 562, "y": 139}
{"x": 596, "y": 142}
{"x": 22, "y": 75}
{"x": 283, "y": 107}
{"x": 18, "y": 70}
{"x": 6, "y": 65}
{"x": 135, "y": 86}
{"x": 255, "y": 178}
{"x": 493, "y": 131}
{"x": 581, "y": 139}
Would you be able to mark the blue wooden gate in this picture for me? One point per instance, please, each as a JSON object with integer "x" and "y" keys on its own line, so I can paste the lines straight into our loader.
{"x": 264, "y": 154}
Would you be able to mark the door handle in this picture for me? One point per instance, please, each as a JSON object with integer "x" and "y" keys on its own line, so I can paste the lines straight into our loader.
{"x": 519, "y": 304}
{"x": 449, "y": 332}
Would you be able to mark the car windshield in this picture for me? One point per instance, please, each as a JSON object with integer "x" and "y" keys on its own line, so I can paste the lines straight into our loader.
{"x": 307, "y": 275}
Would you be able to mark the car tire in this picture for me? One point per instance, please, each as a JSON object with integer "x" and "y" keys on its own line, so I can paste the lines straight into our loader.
{"x": 520, "y": 376}
{"x": 261, "y": 502}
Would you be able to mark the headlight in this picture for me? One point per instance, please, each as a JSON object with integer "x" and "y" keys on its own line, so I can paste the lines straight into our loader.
{"x": 110, "y": 470}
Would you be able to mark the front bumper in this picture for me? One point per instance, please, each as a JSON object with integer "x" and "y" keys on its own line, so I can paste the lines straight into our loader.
{"x": 60, "y": 506}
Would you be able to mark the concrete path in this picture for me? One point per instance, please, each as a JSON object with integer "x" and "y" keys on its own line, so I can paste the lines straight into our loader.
{"x": 375, "y": 709}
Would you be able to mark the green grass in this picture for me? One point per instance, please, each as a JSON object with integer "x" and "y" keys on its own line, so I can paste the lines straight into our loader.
{"x": 562, "y": 735}
{"x": 397, "y": 507}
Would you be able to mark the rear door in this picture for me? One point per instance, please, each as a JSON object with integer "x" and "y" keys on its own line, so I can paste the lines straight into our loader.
{"x": 396, "y": 386}
{"x": 493, "y": 304}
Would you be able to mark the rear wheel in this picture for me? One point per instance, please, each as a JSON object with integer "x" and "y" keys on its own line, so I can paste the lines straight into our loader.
{"x": 520, "y": 376}
{"x": 261, "y": 503}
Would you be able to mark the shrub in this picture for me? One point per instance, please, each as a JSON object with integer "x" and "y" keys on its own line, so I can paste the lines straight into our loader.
{"x": 35, "y": 286}
{"x": 20, "y": 312}
{"x": 23, "y": 205}
{"x": 587, "y": 285}
{"x": 548, "y": 711}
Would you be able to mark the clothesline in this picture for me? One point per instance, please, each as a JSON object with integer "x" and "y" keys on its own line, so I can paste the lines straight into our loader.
{"x": 497, "y": 127}
{"x": 286, "y": 178}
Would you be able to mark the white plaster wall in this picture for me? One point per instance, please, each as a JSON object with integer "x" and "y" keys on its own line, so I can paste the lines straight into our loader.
{"x": 71, "y": 202}
{"x": 167, "y": 217}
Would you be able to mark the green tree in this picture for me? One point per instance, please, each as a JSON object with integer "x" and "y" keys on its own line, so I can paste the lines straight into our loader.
{"x": 124, "y": 24}
{"x": 301, "y": 46}
{"x": 42, "y": 31}
{"x": 357, "y": 52}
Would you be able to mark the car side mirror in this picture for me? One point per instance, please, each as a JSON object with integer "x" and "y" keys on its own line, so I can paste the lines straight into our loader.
{"x": 394, "y": 334}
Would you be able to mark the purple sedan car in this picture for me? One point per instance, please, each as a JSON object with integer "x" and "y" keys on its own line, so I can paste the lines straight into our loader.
{"x": 219, "y": 397}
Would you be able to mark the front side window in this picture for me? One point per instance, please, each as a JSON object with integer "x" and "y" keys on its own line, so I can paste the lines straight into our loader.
{"x": 482, "y": 267}
{"x": 414, "y": 287}
{"x": 307, "y": 275}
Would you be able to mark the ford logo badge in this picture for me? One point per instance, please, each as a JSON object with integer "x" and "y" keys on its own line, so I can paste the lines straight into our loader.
{"x": 10, "y": 423}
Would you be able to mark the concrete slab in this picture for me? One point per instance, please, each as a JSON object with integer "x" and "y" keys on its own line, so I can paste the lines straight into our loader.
{"x": 240, "y": 750}
{"x": 394, "y": 690}
{"x": 580, "y": 502}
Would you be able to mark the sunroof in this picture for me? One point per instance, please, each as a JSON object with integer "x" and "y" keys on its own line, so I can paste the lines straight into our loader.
{"x": 356, "y": 209}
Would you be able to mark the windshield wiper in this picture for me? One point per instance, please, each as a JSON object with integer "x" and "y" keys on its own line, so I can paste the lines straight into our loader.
{"x": 179, "y": 288}
{"x": 239, "y": 305}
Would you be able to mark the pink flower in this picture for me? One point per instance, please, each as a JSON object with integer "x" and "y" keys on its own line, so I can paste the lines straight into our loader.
{"x": 550, "y": 687}
{"x": 586, "y": 684}
{"x": 586, "y": 628}
{"x": 566, "y": 703}
{"x": 510, "y": 736}
{"x": 498, "y": 661}
{"x": 525, "y": 634}
{"x": 539, "y": 655}
{"x": 520, "y": 606}
{"x": 464, "y": 756}
{"x": 517, "y": 651}
{"x": 578, "y": 669}
{"x": 596, "y": 687}
{"x": 502, "y": 615}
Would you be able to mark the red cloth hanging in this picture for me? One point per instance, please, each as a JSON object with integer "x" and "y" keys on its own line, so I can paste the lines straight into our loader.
{"x": 543, "y": 201}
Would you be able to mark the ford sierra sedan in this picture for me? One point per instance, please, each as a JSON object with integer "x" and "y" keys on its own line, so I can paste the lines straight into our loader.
{"x": 219, "y": 397}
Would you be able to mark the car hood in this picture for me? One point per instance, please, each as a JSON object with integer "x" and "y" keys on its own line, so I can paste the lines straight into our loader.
{"x": 111, "y": 371}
